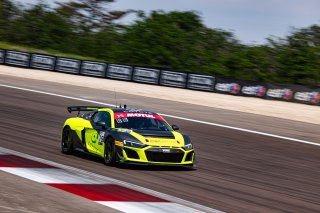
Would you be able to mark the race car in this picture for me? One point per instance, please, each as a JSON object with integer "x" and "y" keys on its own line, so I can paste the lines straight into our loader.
{"x": 123, "y": 135}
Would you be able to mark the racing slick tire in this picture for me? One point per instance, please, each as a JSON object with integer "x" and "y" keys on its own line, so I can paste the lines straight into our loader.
{"x": 110, "y": 156}
{"x": 67, "y": 141}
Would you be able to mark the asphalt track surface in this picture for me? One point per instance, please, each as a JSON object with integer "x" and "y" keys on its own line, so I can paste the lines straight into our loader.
{"x": 237, "y": 171}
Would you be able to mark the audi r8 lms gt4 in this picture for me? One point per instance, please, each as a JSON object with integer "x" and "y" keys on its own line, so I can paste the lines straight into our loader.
{"x": 122, "y": 135}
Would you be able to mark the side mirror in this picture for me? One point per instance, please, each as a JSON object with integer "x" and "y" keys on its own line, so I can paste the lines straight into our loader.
{"x": 175, "y": 127}
{"x": 101, "y": 124}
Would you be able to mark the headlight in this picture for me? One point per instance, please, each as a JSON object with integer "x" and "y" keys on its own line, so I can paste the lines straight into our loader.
{"x": 188, "y": 146}
{"x": 134, "y": 144}
{"x": 187, "y": 143}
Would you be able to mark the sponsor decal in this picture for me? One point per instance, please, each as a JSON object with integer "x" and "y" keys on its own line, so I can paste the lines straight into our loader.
{"x": 124, "y": 130}
{"x": 258, "y": 91}
{"x": 146, "y": 75}
{"x": 1, "y": 56}
{"x": 68, "y": 65}
{"x": 232, "y": 88}
{"x": 312, "y": 97}
{"x": 94, "y": 137}
{"x": 42, "y": 61}
{"x": 201, "y": 82}
{"x": 119, "y": 71}
{"x": 93, "y": 68}
{"x": 17, "y": 58}
{"x": 173, "y": 79}
{"x": 166, "y": 150}
{"x": 285, "y": 94}
{"x": 101, "y": 137}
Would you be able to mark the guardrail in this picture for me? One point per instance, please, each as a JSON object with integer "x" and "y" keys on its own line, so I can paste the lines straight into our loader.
{"x": 163, "y": 77}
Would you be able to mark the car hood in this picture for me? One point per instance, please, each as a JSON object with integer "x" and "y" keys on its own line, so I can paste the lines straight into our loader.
{"x": 159, "y": 138}
{"x": 152, "y": 138}
{"x": 155, "y": 134}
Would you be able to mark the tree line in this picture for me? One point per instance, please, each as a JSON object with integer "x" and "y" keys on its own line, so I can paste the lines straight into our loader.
{"x": 172, "y": 40}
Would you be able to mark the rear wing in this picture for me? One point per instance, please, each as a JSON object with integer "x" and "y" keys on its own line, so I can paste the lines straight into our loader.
{"x": 82, "y": 108}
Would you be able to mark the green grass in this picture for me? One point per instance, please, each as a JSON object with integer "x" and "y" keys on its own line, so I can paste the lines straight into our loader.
{"x": 16, "y": 47}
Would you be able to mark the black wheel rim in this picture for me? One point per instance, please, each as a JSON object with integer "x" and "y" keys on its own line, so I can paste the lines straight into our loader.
{"x": 109, "y": 151}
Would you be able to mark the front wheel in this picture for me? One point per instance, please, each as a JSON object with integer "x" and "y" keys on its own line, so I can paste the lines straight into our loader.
{"x": 193, "y": 166}
{"x": 110, "y": 152}
{"x": 66, "y": 141}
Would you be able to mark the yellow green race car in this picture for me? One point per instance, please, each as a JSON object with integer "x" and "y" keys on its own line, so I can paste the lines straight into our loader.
{"x": 122, "y": 135}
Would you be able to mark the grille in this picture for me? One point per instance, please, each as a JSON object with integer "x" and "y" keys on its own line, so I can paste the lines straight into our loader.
{"x": 131, "y": 153}
{"x": 164, "y": 157}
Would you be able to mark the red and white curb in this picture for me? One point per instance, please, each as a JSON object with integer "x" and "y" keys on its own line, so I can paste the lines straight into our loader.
{"x": 110, "y": 192}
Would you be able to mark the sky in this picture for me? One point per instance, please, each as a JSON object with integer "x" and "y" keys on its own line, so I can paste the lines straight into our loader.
{"x": 251, "y": 21}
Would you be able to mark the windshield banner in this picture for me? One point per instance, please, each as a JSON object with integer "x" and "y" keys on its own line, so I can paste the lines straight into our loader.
{"x": 118, "y": 115}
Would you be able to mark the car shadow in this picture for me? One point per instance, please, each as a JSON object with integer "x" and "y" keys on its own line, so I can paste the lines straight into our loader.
{"x": 96, "y": 159}
{"x": 153, "y": 167}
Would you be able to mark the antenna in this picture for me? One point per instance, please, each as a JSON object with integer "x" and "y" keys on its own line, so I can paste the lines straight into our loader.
{"x": 115, "y": 97}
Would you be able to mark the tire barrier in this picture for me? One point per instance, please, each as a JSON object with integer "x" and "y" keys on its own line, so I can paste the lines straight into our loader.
{"x": 163, "y": 77}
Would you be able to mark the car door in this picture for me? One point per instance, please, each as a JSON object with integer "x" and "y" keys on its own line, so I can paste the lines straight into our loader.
{"x": 95, "y": 136}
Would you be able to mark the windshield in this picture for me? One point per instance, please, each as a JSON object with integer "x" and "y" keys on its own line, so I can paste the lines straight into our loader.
{"x": 140, "y": 121}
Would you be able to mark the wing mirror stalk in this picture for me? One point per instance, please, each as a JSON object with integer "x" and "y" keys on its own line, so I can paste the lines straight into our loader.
{"x": 175, "y": 127}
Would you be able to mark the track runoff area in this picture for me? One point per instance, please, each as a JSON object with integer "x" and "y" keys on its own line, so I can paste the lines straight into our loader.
{"x": 118, "y": 195}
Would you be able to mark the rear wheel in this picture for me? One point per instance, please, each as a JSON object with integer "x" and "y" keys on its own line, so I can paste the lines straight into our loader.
{"x": 110, "y": 152}
{"x": 67, "y": 141}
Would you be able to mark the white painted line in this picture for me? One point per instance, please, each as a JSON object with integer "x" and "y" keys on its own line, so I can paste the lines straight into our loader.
{"x": 2, "y": 153}
{"x": 114, "y": 181}
{"x": 148, "y": 207}
{"x": 244, "y": 130}
{"x": 52, "y": 175}
{"x": 170, "y": 116}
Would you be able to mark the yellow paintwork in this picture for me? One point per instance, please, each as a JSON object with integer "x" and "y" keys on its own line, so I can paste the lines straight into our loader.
{"x": 78, "y": 124}
{"x": 143, "y": 158}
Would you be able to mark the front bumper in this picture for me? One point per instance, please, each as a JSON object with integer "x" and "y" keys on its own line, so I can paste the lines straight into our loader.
{"x": 156, "y": 155}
